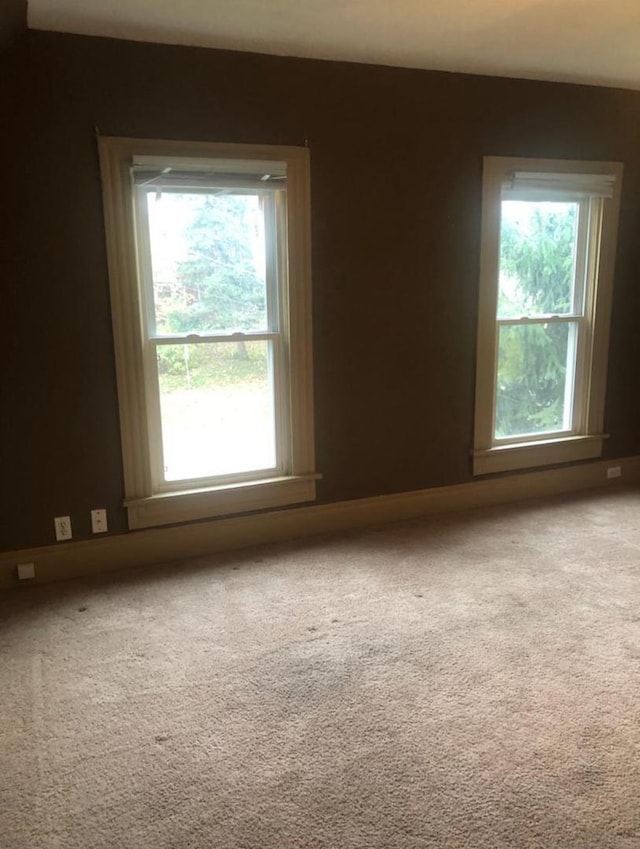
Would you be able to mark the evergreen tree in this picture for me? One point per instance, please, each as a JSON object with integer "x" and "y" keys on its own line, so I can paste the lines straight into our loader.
{"x": 223, "y": 292}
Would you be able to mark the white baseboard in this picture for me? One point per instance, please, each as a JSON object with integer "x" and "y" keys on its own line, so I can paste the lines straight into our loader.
{"x": 160, "y": 545}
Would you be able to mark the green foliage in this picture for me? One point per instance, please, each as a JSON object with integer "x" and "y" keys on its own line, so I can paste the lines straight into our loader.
{"x": 222, "y": 291}
{"x": 541, "y": 260}
{"x": 172, "y": 359}
{"x": 537, "y": 262}
{"x": 531, "y": 379}
{"x": 210, "y": 366}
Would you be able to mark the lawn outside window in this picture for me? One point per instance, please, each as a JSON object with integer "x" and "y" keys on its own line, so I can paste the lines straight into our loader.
{"x": 208, "y": 249}
{"x": 547, "y": 261}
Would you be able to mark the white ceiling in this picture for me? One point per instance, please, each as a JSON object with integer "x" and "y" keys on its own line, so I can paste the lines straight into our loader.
{"x": 585, "y": 41}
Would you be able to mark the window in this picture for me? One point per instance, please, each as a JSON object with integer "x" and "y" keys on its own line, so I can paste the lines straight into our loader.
{"x": 547, "y": 258}
{"x": 208, "y": 250}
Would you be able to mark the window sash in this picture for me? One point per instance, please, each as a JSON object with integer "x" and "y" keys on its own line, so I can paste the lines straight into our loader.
{"x": 574, "y": 380}
{"x": 583, "y": 288}
{"x": 277, "y": 470}
{"x": 203, "y": 338}
{"x": 274, "y": 209}
{"x": 542, "y": 318}
{"x": 274, "y": 212}
{"x": 156, "y": 451}
{"x": 582, "y": 277}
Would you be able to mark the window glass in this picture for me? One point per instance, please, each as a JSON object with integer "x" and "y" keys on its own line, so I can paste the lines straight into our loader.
{"x": 208, "y": 261}
{"x": 534, "y": 379}
{"x": 537, "y": 258}
{"x": 217, "y": 409}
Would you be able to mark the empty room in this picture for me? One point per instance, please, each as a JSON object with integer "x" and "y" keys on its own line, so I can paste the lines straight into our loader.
{"x": 319, "y": 413}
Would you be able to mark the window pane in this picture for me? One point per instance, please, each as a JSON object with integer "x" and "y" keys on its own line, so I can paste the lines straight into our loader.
{"x": 217, "y": 409}
{"x": 535, "y": 378}
{"x": 537, "y": 258}
{"x": 208, "y": 261}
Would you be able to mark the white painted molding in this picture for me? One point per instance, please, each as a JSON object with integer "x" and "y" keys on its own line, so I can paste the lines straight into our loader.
{"x": 596, "y": 187}
{"x": 161, "y": 545}
{"x": 151, "y": 500}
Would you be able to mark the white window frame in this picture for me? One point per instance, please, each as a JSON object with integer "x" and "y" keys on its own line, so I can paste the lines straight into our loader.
{"x": 148, "y": 498}
{"x": 596, "y": 186}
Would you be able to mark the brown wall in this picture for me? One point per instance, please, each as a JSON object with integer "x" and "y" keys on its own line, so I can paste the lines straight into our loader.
{"x": 13, "y": 21}
{"x": 396, "y": 171}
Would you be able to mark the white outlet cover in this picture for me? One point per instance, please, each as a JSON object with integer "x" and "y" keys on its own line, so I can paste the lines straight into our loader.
{"x": 26, "y": 571}
{"x": 99, "y": 521}
{"x": 63, "y": 528}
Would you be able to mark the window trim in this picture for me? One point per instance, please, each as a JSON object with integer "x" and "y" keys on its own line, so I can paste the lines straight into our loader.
{"x": 146, "y": 504}
{"x": 585, "y": 441}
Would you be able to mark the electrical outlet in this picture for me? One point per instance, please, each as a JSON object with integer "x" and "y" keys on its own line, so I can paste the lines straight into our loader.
{"x": 26, "y": 571}
{"x": 614, "y": 472}
{"x": 63, "y": 527}
{"x": 99, "y": 521}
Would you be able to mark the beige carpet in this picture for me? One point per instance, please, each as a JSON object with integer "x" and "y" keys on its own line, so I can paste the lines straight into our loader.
{"x": 465, "y": 681}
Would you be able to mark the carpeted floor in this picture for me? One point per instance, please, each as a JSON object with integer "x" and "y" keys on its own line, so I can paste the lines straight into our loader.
{"x": 463, "y": 681}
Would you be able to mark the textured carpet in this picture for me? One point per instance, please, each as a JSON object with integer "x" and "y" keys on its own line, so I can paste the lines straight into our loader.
{"x": 464, "y": 681}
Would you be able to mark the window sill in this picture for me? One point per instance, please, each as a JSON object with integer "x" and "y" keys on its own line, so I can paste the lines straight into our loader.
{"x": 526, "y": 455}
{"x": 191, "y": 505}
